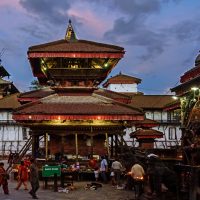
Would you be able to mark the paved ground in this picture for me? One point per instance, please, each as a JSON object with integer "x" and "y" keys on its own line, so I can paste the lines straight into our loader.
{"x": 107, "y": 192}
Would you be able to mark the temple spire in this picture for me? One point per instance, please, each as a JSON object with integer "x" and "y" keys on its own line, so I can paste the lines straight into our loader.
{"x": 70, "y": 34}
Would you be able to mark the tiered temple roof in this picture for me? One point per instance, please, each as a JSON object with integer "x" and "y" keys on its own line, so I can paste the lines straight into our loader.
{"x": 73, "y": 61}
{"x": 92, "y": 104}
{"x": 122, "y": 79}
{"x": 9, "y": 102}
{"x": 151, "y": 101}
{"x": 146, "y": 133}
{"x": 189, "y": 79}
{"x": 76, "y": 67}
{"x": 6, "y": 87}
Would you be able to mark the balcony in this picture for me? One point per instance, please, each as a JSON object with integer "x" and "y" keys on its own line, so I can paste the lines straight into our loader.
{"x": 170, "y": 121}
{"x": 78, "y": 73}
{"x": 7, "y": 122}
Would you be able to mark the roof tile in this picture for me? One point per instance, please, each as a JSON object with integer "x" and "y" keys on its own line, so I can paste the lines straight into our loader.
{"x": 151, "y": 101}
{"x": 77, "y": 46}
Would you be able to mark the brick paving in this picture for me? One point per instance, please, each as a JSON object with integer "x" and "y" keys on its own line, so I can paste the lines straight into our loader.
{"x": 107, "y": 192}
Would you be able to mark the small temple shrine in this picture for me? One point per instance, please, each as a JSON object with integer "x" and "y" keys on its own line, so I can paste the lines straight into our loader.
{"x": 145, "y": 135}
{"x": 73, "y": 115}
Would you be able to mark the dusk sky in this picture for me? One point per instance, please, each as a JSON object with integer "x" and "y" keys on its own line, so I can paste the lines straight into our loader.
{"x": 161, "y": 37}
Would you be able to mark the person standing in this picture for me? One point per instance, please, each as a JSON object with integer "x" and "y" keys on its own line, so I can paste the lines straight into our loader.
{"x": 137, "y": 173}
{"x": 103, "y": 169}
{"x": 3, "y": 178}
{"x": 10, "y": 158}
{"x": 154, "y": 174}
{"x": 117, "y": 169}
{"x": 22, "y": 176}
{"x": 34, "y": 179}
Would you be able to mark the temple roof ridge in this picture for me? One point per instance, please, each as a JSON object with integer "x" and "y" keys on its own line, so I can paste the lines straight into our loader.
{"x": 197, "y": 60}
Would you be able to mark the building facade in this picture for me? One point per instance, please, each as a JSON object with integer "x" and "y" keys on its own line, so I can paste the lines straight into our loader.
{"x": 154, "y": 108}
{"x": 12, "y": 135}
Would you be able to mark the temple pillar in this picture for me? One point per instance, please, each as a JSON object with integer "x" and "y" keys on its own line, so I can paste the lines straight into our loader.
{"x": 116, "y": 144}
{"x": 46, "y": 146}
{"x": 112, "y": 144}
{"x": 107, "y": 145}
{"x": 35, "y": 145}
{"x": 76, "y": 145}
{"x": 92, "y": 144}
{"x": 62, "y": 145}
{"x": 121, "y": 142}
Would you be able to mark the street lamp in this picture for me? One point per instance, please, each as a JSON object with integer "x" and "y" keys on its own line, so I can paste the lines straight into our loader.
{"x": 194, "y": 88}
{"x": 175, "y": 97}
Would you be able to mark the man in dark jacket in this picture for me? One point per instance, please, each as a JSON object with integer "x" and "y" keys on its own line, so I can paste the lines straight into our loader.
{"x": 34, "y": 179}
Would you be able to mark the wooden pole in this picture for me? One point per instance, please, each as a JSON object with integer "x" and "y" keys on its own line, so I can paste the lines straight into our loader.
{"x": 62, "y": 144}
{"x": 92, "y": 143}
{"x": 33, "y": 146}
{"x": 37, "y": 145}
{"x": 111, "y": 153}
{"x": 116, "y": 144}
{"x": 91, "y": 138}
{"x": 46, "y": 146}
{"x": 76, "y": 145}
{"x": 107, "y": 145}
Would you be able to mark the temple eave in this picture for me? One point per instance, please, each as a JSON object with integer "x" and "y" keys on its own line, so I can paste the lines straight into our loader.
{"x": 148, "y": 137}
{"x": 33, "y": 117}
{"x": 74, "y": 55}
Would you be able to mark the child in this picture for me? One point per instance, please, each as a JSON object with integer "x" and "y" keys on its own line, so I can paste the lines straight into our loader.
{"x": 112, "y": 176}
{"x": 96, "y": 173}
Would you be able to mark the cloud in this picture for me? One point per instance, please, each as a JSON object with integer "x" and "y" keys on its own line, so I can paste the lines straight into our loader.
{"x": 34, "y": 30}
{"x": 137, "y": 7}
{"x": 133, "y": 30}
{"x": 11, "y": 3}
{"x": 89, "y": 22}
{"x": 187, "y": 29}
{"x": 138, "y": 29}
{"x": 151, "y": 31}
{"x": 54, "y": 12}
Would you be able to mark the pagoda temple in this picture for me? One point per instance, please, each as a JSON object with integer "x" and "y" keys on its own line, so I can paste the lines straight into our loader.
{"x": 6, "y": 87}
{"x": 74, "y": 116}
{"x": 188, "y": 93}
